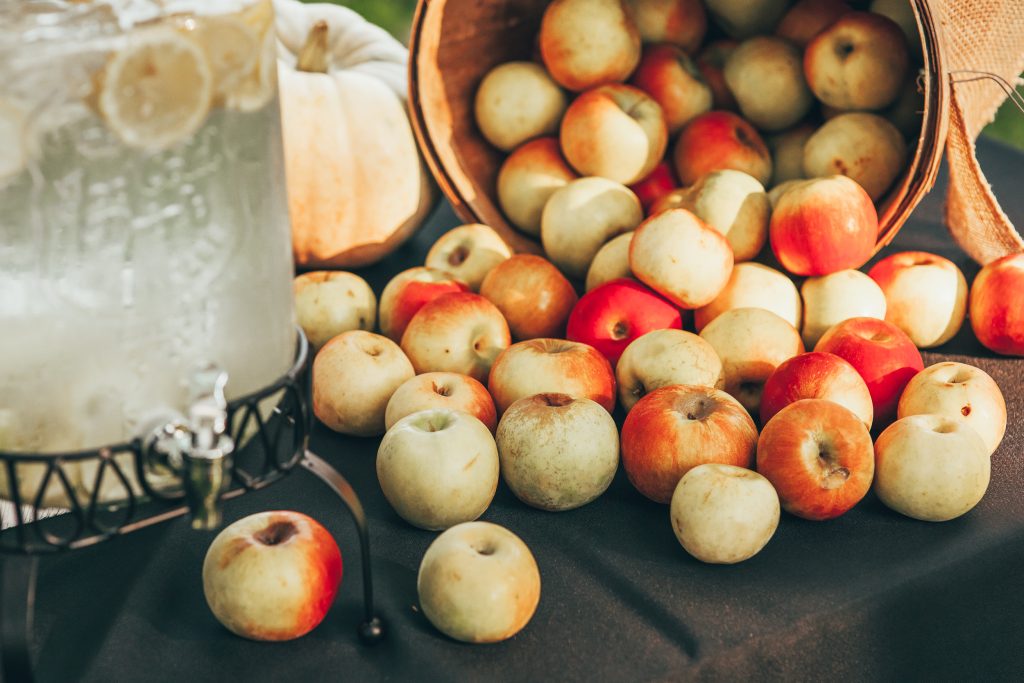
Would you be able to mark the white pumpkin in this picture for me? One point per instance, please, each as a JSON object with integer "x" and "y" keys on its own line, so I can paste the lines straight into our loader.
{"x": 357, "y": 186}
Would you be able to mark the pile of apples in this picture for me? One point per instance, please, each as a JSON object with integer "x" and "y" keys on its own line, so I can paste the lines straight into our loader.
{"x": 493, "y": 366}
{"x": 489, "y": 366}
{"x": 633, "y": 107}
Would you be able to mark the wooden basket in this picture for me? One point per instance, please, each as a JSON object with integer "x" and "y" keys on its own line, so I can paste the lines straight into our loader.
{"x": 454, "y": 43}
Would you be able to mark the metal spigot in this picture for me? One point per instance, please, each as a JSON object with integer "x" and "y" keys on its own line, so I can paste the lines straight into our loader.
{"x": 207, "y": 461}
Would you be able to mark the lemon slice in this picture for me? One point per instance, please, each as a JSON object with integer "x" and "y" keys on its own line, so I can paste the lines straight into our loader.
{"x": 13, "y": 155}
{"x": 232, "y": 48}
{"x": 157, "y": 90}
{"x": 258, "y": 86}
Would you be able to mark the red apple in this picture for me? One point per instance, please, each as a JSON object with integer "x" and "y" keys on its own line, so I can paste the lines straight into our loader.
{"x": 884, "y": 356}
{"x": 819, "y": 457}
{"x": 671, "y": 78}
{"x": 407, "y": 292}
{"x": 717, "y": 140}
{"x": 551, "y": 366}
{"x": 272, "y": 575}
{"x": 658, "y": 183}
{"x": 673, "y": 429}
{"x": 997, "y": 316}
{"x": 711, "y": 62}
{"x": 816, "y": 375}
{"x": 611, "y": 316}
{"x": 822, "y": 226}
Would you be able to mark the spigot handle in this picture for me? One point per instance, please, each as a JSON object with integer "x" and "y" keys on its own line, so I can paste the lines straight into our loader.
{"x": 208, "y": 461}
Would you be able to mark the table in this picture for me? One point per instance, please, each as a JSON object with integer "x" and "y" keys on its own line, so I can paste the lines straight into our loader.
{"x": 871, "y": 595}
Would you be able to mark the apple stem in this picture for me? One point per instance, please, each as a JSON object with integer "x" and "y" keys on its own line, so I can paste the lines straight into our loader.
{"x": 313, "y": 55}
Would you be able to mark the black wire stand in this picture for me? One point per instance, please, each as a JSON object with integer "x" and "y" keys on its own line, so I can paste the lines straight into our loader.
{"x": 273, "y": 424}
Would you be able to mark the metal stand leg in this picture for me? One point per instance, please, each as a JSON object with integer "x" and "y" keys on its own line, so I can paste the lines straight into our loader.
{"x": 17, "y": 608}
{"x": 371, "y": 630}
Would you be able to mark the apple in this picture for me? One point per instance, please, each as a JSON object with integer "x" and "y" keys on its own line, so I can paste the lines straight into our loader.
{"x": 532, "y": 294}
{"x": 816, "y": 375}
{"x": 664, "y": 357}
{"x": 996, "y": 315}
{"x": 723, "y": 514}
{"x": 516, "y": 102}
{"x": 680, "y": 22}
{"x": 676, "y": 428}
{"x": 438, "y": 468}
{"x": 580, "y": 217}
{"x": 656, "y": 185}
{"x": 753, "y": 285}
{"x": 961, "y": 392}
{"x": 478, "y": 583}
{"x": 925, "y": 295}
{"x": 585, "y": 43}
{"x": 931, "y": 467}
{"x": 407, "y": 292}
{"x": 460, "y": 332}
{"x": 859, "y": 62}
{"x": 551, "y": 366}
{"x": 831, "y": 299}
{"x": 819, "y": 457}
{"x": 711, "y": 61}
{"x": 883, "y": 355}
{"x": 862, "y": 146}
{"x": 822, "y": 226}
{"x": 745, "y": 18}
{"x": 766, "y": 76}
{"x": 272, "y": 576}
{"x": 354, "y": 376}
{"x": 557, "y": 452}
{"x": 751, "y": 342}
{"x": 614, "y": 131}
{"x": 807, "y": 18}
{"x": 681, "y": 257}
{"x": 788, "y": 153}
{"x": 527, "y": 179}
{"x": 441, "y": 390}
{"x": 671, "y": 78}
{"x": 736, "y": 205}
{"x": 902, "y": 13}
{"x": 328, "y": 303}
{"x": 612, "y": 315}
{"x": 717, "y": 140}
{"x": 611, "y": 262}
{"x": 468, "y": 252}
{"x": 676, "y": 199}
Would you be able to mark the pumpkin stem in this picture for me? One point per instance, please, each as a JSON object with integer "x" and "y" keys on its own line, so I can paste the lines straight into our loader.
{"x": 313, "y": 55}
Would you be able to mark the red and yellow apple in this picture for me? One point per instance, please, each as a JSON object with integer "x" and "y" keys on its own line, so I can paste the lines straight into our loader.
{"x": 656, "y": 185}
{"x": 680, "y": 22}
{"x": 816, "y": 375}
{"x": 717, "y": 140}
{"x": 328, "y": 303}
{"x": 819, "y": 457}
{"x": 997, "y": 317}
{"x": 468, "y": 252}
{"x": 676, "y": 428}
{"x": 441, "y": 390}
{"x": 807, "y": 18}
{"x": 407, "y": 292}
{"x": 753, "y": 285}
{"x": 527, "y": 179}
{"x": 551, "y": 366}
{"x": 671, "y": 78}
{"x": 859, "y": 145}
{"x": 831, "y": 299}
{"x": 585, "y": 43}
{"x": 824, "y": 225}
{"x": 664, "y": 357}
{"x": 272, "y": 575}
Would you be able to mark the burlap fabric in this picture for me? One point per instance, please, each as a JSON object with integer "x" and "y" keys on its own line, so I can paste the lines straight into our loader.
{"x": 977, "y": 37}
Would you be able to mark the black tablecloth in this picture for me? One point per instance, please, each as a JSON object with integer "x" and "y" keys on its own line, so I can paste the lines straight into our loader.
{"x": 869, "y": 595}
